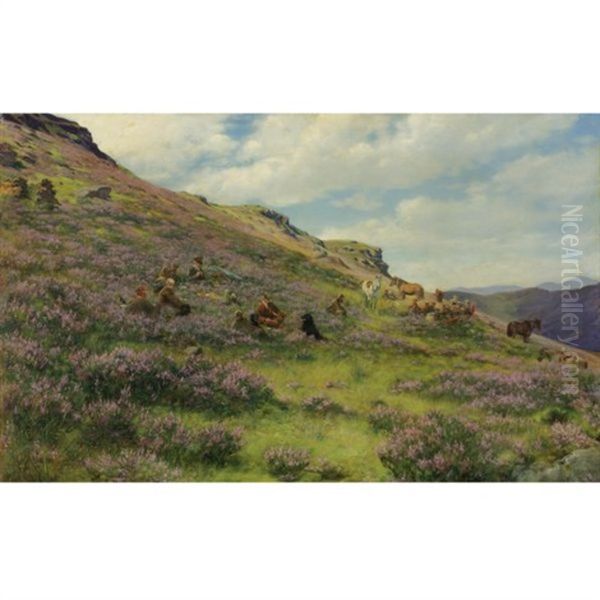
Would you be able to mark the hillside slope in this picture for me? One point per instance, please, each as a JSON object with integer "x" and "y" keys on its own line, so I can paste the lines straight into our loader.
{"x": 91, "y": 391}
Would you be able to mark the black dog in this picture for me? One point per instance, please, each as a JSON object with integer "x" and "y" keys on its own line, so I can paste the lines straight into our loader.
{"x": 309, "y": 327}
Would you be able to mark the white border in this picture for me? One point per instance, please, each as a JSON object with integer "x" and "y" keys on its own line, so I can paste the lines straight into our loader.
{"x": 480, "y": 542}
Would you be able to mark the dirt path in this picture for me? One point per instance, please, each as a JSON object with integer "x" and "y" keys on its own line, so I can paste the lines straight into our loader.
{"x": 593, "y": 358}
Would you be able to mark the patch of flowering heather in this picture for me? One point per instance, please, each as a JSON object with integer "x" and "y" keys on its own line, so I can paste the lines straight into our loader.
{"x": 328, "y": 471}
{"x": 32, "y": 462}
{"x": 222, "y": 388}
{"x": 365, "y": 338}
{"x": 567, "y": 437}
{"x": 109, "y": 421}
{"x": 435, "y": 447}
{"x": 519, "y": 391}
{"x": 287, "y": 463}
{"x": 406, "y": 386}
{"x": 320, "y": 405}
{"x": 129, "y": 466}
{"x": 387, "y": 418}
{"x": 146, "y": 374}
{"x": 168, "y": 437}
{"x": 42, "y": 405}
{"x": 17, "y": 351}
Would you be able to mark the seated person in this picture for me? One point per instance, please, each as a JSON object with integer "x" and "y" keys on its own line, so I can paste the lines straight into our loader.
{"x": 269, "y": 314}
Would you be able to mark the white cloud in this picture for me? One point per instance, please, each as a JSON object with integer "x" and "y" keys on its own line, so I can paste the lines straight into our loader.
{"x": 358, "y": 202}
{"x": 297, "y": 158}
{"x": 160, "y": 148}
{"x": 504, "y": 230}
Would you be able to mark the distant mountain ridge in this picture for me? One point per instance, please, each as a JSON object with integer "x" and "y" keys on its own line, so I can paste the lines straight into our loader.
{"x": 487, "y": 290}
{"x": 529, "y": 303}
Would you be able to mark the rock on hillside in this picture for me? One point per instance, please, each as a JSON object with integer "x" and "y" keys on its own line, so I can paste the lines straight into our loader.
{"x": 58, "y": 126}
{"x": 353, "y": 252}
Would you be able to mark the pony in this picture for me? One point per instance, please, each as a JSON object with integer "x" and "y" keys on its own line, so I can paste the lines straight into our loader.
{"x": 371, "y": 290}
{"x": 407, "y": 289}
{"x": 523, "y": 328}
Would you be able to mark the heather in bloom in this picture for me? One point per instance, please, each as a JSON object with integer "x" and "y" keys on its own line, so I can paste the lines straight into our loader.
{"x": 287, "y": 463}
{"x": 435, "y": 447}
{"x": 168, "y": 437}
{"x": 567, "y": 437}
{"x": 386, "y": 418}
{"x": 109, "y": 421}
{"x": 145, "y": 374}
{"x": 130, "y": 465}
{"x": 327, "y": 470}
{"x": 322, "y": 406}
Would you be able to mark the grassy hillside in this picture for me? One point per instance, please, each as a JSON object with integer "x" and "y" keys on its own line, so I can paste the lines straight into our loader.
{"x": 91, "y": 392}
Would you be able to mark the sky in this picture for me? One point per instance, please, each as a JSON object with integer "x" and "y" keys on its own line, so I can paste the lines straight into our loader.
{"x": 453, "y": 200}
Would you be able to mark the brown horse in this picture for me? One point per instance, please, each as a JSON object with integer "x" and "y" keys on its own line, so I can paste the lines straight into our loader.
{"x": 523, "y": 328}
{"x": 407, "y": 289}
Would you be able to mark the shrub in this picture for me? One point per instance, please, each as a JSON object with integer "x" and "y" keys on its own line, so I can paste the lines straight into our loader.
{"x": 130, "y": 465}
{"x": 287, "y": 463}
{"x": 223, "y": 389}
{"x": 109, "y": 421}
{"x": 24, "y": 460}
{"x": 170, "y": 438}
{"x": 40, "y": 408}
{"x": 217, "y": 444}
{"x": 321, "y": 405}
{"x": 567, "y": 437}
{"x": 145, "y": 374}
{"x": 328, "y": 471}
{"x": 386, "y": 418}
{"x": 435, "y": 447}
{"x": 557, "y": 414}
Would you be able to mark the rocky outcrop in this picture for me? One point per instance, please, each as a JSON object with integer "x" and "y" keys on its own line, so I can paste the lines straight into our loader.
{"x": 282, "y": 222}
{"x": 581, "y": 465}
{"x": 57, "y": 126}
{"x": 369, "y": 257}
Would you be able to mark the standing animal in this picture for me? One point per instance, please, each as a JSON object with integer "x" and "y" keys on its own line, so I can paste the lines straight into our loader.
{"x": 439, "y": 295}
{"x": 407, "y": 289}
{"x": 371, "y": 290}
{"x": 309, "y": 327}
{"x": 523, "y": 328}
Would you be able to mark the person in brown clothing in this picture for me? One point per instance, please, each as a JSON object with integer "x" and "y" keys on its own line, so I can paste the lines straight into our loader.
{"x": 168, "y": 297}
{"x": 337, "y": 306}
{"x": 196, "y": 272}
{"x": 140, "y": 304}
{"x": 269, "y": 314}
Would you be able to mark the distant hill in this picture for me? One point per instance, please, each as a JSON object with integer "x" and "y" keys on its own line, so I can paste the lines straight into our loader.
{"x": 536, "y": 302}
{"x": 552, "y": 286}
{"x": 486, "y": 290}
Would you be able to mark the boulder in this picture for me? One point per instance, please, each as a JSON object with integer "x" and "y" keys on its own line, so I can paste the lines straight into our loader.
{"x": 579, "y": 466}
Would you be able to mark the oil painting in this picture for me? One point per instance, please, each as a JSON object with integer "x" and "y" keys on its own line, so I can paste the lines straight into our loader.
{"x": 299, "y": 297}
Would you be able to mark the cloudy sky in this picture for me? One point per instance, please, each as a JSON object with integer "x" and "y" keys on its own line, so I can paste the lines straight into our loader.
{"x": 452, "y": 199}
